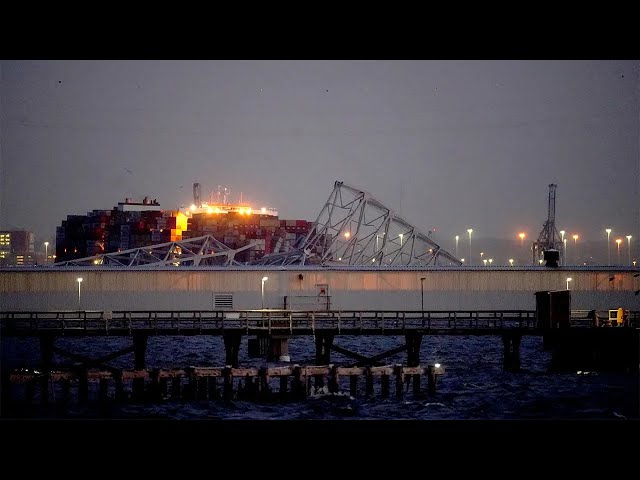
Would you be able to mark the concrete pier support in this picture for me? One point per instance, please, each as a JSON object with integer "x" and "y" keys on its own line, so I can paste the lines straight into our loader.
{"x": 511, "y": 343}
{"x": 232, "y": 347}
{"x": 139, "y": 351}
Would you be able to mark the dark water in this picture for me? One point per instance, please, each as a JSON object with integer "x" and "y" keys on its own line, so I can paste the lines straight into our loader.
{"x": 473, "y": 387}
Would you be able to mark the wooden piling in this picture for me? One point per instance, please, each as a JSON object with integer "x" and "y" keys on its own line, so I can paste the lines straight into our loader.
{"x": 227, "y": 392}
{"x": 155, "y": 391}
{"x": 104, "y": 390}
{"x": 368, "y": 382}
{"x": 137, "y": 389}
{"x": 399, "y": 382}
{"x": 66, "y": 390}
{"x": 175, "y": 387}
{"x": 299, "y": 388}
{"x": 431, "y": 380}
{"x": 213, "y": 388}
{"x": 189, "y": 392}
{"x": 164, "y": 388}
{"x": 120, "y": 393}
{"x": 202, "y": 388}
{"x": 83, "y": 386}
{"x": 334, "y": 382}
{"x": 384, "y": 386}
{"x": 283, "y": 387}
{"x": 265, "y": 390}
{"x": 44, "y": 389}
{"x": 353, "y": 385}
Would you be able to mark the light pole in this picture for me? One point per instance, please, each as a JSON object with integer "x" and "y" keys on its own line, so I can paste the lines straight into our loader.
{"x": 568, "y": 280}
{"x": 521, "y": 235}
{"x": 422, "y": 294}
{"x": 565, "y": 251}
{"x": 490, "y": 261}
{"x": 629, "y": 247}
{"x": 485, "y": 262}
{"x": 46, "y": 252}
{"x": 457, "y": 237}
{"x": 618, "y": 241}
{"x": 564, "y": 254}
{"x": 608, "y": 230}
{"x": 575, "y": 244}
{"x": 264, "y": 279}
{"x": 79, "y": 280}
{"x": 401, "y": 235}
{"x": 470, "y": 231}
{"x": 511, "y": 261}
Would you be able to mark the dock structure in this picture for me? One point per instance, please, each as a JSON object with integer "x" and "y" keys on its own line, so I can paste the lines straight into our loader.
{"x": 579, "y": 339}
{"x": 217, "y": 383}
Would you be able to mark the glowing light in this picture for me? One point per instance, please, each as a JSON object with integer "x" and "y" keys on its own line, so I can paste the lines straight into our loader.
{"x": 569, "y": 280}
{"x": 263, "y": 210}
{"x": 209, "y": 210}
{"x": 264, "y": 279}
{"x": 193, "y": 207}
{"x": 437, "y": 365}
{"x": 511, "y": 261}
{"x": 347, "y": 234}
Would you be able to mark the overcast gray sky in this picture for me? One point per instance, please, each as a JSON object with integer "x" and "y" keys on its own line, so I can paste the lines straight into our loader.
{"x": 451, "y": 144}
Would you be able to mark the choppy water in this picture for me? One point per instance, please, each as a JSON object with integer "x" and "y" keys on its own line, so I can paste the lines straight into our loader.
{"x": 473, "y": 387}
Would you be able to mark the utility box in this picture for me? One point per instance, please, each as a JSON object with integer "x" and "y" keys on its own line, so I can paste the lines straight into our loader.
{"x": 560, "y": 308}
{"x": 542, "y": 309}
{"x": 553, "y": 309}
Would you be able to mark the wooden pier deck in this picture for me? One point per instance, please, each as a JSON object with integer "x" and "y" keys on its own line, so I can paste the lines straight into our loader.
{"x": 290, "y": 322}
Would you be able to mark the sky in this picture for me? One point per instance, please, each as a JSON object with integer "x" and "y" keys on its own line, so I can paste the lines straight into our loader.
{"x": 449, "y": 145}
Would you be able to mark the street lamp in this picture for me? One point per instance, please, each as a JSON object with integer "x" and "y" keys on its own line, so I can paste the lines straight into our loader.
{"x": 608, "y": 230}
{"x": 575, "y": 244}
{"x": 422, "y": 279}
{"x": 79, "y": 280}
{"x": 470, "y": 231}
{"x": 521, "y": 235}
{"x": 511, "y": 261}
{"x": 490, "y": 261}
{"x": 618, "y": 241}
{"x": 457, "y": 237}
{"x": 568, "y": 280}
{"x": 485, "y": 262}
{"x": 46, "y": 252}
{"x": 629, "y": 247}
{"x": 264, "y": 279}
{"x": 564, "y": 254}
{"x": 401, "y": 235}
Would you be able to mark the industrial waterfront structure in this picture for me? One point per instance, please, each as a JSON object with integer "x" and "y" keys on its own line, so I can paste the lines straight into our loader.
{"x": 313, "y": 287}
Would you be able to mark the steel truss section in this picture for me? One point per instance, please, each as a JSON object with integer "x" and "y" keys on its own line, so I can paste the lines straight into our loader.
{"x": 199, "y": 251}
{"x": 354, "y": 228}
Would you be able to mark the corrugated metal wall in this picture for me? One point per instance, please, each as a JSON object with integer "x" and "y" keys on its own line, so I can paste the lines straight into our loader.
{"x": 195, "y": 289}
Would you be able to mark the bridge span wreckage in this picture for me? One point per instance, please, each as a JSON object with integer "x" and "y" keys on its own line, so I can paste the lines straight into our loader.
{"x": 352, "y": 229}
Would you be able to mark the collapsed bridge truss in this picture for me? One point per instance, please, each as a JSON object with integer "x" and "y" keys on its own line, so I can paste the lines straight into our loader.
{"x": 199, "y": 251}
{"x": 354, "y": 228}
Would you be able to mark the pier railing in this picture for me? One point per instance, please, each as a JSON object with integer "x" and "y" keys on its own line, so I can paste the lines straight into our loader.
{"x": 216, "y": 322}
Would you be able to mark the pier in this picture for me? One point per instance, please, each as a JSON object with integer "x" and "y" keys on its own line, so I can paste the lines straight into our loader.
{"x": 223, "y": 383}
